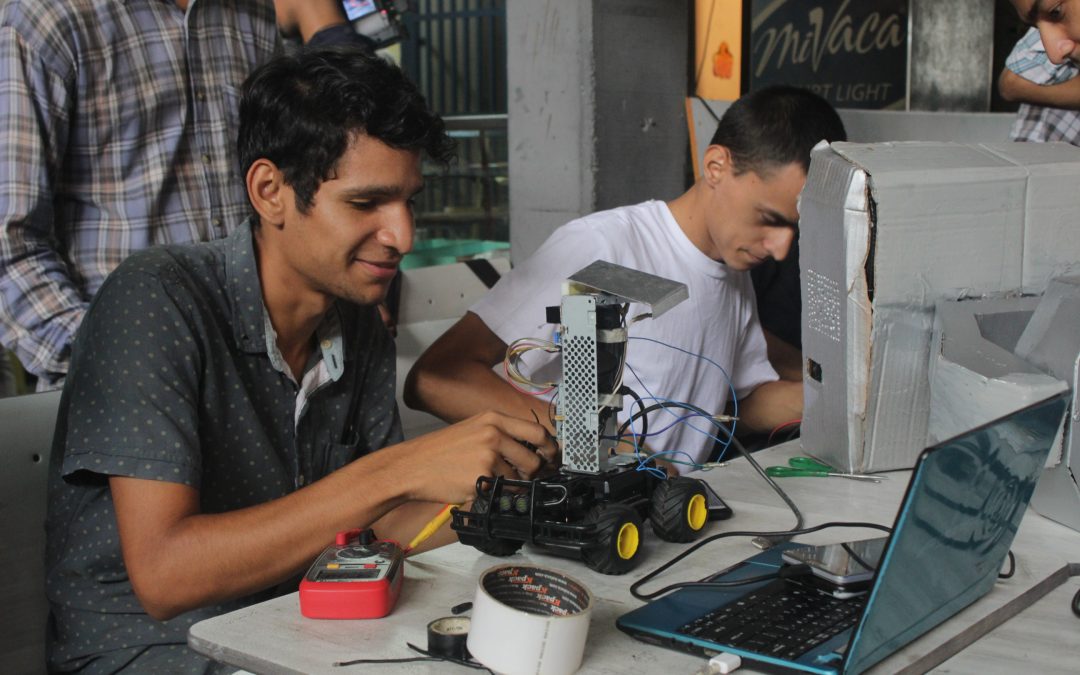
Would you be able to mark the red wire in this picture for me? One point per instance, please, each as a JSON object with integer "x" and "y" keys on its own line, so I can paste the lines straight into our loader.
{"x": 785, "y": 424}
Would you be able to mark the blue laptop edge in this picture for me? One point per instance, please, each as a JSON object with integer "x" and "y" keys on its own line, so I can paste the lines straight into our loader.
{"x": 957, "y": 520}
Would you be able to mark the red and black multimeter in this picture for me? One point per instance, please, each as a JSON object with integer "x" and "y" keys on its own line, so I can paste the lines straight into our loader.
{"x": 358, "y": 577}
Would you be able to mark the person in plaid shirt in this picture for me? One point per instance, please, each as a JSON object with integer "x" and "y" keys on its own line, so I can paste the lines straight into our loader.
{"x": 1030, "y": 77}
{"x": 119, "y": 133}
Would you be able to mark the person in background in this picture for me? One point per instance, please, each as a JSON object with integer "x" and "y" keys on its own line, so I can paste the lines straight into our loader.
{"x": 779, "y": 303}
{"x": 740, "y": 213}
{"x": 119, "y": 133}
{"x": 230, "y": 405}
{"x": 1058, "y": 23}
{"x": 1029, "y": 77}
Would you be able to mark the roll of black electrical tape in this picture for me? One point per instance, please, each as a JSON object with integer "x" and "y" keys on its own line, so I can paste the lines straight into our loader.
{"x": 447, "y": 636}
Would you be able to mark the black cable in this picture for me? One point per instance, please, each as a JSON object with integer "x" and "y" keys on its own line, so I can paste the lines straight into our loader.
{"x": 427, "y": 656}
{"x": 1012, "y": 568}
{"x": 662, "y": 406}
{"x": 1074, "y": 570}
{"x": 644, "y": 417}
{"x": 723, "y": 535}
{"x": 708, "y": 108}
{"x": 738, "y": 446}
{"x": 785, "y": 572}
{"x": 475, "y": 665}
{"x": 551, "y": 408}
{"x": 705, "y": 47}
{"x": 857, "y": 558}
{"x": 780, "y": 491}
{"x": 794, "y": 432}
{"x": 411, "y": 659}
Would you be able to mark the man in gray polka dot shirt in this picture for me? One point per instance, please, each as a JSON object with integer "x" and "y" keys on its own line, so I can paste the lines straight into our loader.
{"x": 225, "y": 400}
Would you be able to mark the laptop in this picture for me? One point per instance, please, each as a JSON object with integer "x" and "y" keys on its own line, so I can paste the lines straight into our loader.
{"x": 955, "y": 525}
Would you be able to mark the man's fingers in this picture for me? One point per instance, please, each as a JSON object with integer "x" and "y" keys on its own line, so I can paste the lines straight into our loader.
{"x": 515, "y": 434}
{"x": 526, "y": 460}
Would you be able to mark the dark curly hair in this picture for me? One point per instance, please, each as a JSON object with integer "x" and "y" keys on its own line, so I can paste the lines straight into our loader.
{"x": 300, "y": 111}
{"x": 776, "y": 126}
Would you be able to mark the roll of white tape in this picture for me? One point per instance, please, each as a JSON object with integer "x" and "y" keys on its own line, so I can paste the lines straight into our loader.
{"x": 529, "y": 620}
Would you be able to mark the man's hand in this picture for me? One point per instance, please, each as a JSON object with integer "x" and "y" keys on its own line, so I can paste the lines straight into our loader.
{"x": 179, "y": 558}
{"x": 443, "y": 466}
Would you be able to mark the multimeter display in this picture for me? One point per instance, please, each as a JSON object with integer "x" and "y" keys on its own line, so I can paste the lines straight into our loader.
{"x": 356, "y": 578}
{"x": 345, "y": 575}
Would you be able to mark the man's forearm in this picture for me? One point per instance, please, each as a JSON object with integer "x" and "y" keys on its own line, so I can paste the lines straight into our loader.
{"x": 40, "y": 325}
{"x": 179, "y": 559}
{"x": 458, "y": 392}
{"x": 40, "y": 305}
{"x": 771, "y": 405}
{"x": 1014, "y": 87}
{"x": 786, "y": 359}
{"x": 454, "y": 379}
{"x": 201, "y": 559}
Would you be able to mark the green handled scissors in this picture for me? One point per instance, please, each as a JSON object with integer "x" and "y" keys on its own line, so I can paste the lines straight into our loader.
{"x": 808, "y": 466}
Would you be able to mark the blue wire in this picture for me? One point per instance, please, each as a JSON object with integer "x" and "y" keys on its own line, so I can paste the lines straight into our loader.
{"x": 679, "y": 420}
{"x": 660, "y": 400}
{"x": 662, "y": 430}
{"x": 731, "y": 386}
{"x": 685, "y": 419}
{"x": 642, "y": 466}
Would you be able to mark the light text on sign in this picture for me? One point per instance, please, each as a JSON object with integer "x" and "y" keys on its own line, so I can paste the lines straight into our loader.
{"x": 787, "y": 45}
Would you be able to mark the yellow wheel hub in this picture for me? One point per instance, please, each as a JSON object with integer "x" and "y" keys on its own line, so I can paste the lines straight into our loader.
{"x": 697, "y": 512}
{"x": 628, "y": 540}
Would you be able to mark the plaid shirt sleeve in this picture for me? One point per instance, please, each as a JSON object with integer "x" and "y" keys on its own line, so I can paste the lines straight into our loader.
{"x": 40, "y": 306}
{"x": 1029, "y": 60}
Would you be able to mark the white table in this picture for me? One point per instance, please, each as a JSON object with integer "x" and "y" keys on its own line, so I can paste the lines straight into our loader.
{"x": 273, "y": 637}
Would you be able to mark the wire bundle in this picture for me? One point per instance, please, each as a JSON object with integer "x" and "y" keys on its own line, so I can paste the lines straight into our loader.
{"x": 512, "y": 361}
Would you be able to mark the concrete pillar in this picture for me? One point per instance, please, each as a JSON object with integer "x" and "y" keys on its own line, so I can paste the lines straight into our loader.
{"x": 595, "y": 111}
{"x": 952, "y": 53}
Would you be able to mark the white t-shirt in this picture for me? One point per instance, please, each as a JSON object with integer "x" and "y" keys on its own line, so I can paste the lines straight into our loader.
{"x": 718, "y": 321}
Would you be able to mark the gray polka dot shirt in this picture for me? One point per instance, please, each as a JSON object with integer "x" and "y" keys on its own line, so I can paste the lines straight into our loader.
{"x": 175, "y": 377}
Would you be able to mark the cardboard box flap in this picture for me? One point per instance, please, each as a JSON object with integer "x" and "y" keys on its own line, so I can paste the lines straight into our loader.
{"x": 949, "y": 219}
{"x": 834, "y": 245}
{"x": 917, "y": 161}
{"x": 1051, "y": 245}
{"x": 976, "y": 372}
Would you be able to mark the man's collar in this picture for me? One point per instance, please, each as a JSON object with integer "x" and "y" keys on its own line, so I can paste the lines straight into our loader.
{"x": 245, "y": 289}
{"x": 251, "y": 323}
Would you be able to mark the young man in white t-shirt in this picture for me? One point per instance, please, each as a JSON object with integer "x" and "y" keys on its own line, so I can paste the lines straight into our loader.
{"x": 740, "y": 212}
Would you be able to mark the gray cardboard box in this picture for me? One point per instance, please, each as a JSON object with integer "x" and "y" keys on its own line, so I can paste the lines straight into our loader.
{"x": 975, "y": 374}
{"x": 1051, "y": 342}
{"x": 992, "y": 356}
{"x": 888, "y": 230}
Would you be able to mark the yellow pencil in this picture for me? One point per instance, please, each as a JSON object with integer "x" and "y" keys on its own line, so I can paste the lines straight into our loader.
{"x": 438, "y": 521}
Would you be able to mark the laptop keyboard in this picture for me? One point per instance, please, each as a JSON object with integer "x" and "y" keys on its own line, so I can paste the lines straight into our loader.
{"x": 782, "y": 620}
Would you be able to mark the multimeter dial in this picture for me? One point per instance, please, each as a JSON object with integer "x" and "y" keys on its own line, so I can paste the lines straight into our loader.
{"x": 356, "y": 552}
{"x": 353, "y": 579}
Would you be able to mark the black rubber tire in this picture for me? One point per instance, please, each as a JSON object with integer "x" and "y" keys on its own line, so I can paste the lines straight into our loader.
{"x": 668, "y": 510}
{"x": 496, "y": 547}
{"x": 603, "y": 556}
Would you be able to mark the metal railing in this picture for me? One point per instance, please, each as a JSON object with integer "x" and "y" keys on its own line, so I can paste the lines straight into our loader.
{"x": 456, "y": 53}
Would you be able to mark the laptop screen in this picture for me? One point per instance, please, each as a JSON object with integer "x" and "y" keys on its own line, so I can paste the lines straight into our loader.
{"x": 962, "y": 509}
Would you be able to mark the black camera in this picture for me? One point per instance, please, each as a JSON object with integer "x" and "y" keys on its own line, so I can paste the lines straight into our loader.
{"x": 377, "y": 20}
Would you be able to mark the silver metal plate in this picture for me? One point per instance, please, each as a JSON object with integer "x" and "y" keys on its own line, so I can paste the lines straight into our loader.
{"x": 629, "y": 285}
